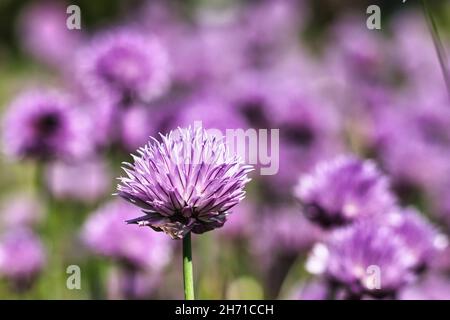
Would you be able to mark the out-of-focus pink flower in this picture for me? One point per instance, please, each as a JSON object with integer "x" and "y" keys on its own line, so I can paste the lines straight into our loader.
{"x": 84, "y": 181}
{"x": 22, "y": 256}
{"x": 45, "y": 125}
{"x": 20, "y": 210}
{"x": 44, "y": 34}
{"x": 344, "y": 190}
{"x": 124, "y": 65}
{"x": 106, "y": 233}
{"x": 137, "y": 125}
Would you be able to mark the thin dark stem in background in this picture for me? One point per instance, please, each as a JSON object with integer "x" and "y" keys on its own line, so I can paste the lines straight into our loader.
{"x": 440, "y": 49}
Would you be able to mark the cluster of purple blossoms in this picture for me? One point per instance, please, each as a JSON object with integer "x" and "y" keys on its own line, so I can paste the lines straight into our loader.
{"x": 22, "y": 257}
{"x": 188, "y": 182}
{"x": 106, "y": 233}
{"x": 369, "y": 233}
{"x": 351, "y": 252}
{"x": 44, "y": 125}
{"x": 343, "y": 190}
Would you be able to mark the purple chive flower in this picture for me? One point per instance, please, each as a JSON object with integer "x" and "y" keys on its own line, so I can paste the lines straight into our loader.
{"x": 106, "y": 234}
{"x": 22, "y": 257}
{"x": 85, "y": 181}
{"x": 20, "y": 210}
{"x": 187, "y": 182}
{"x": 125, "y": 66}
{"x": 43, "y": 125}
{"x": 354, "y": 256}
{"x": 421, "y": 238}
{"x": 343, "y": 190}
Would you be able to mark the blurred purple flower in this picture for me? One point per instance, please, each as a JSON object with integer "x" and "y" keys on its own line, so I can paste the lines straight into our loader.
{"x": 404, "y": 25}
{"x": 138, "y": 125}
{"x": 187, "y": 182}
{"x": 433, "y": 287}
{"x": 125, "y": 66}
{"x": 105, "y": 233}
{"x": 343, "y": 190}
{"x": 19, "y": 211}
{"x": 251, "y": 94}
{"x": 352, "y": 254}
{"x": 44, "y": 125}
{"x": 22, "y": 257}
{"x": 85, "y": 181}
{"x": 421, "y": 126}
{"x": 421, "y": 238}
{"x": 363, "y": 57}
{"x": 44, "y": 35}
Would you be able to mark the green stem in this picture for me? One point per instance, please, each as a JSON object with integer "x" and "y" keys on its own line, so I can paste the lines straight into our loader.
{"x": 440, "y": 49}
{"x": 188, "y": 276}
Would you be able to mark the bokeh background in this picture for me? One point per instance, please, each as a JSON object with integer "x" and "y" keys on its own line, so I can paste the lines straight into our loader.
{"x": 309, "y": 68}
